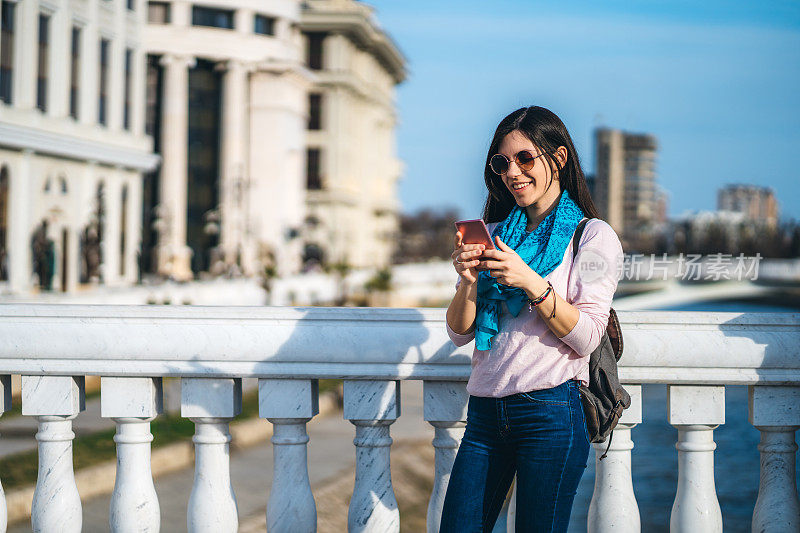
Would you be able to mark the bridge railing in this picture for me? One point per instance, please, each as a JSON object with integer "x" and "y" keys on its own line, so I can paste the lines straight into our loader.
{"x": 373, "y": 351}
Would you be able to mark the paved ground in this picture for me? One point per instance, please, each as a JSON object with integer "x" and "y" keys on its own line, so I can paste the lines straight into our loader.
{"x": 330, "y": 454}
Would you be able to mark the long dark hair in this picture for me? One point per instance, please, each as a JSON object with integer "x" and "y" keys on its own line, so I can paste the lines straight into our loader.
{"x": 547, "y": 132}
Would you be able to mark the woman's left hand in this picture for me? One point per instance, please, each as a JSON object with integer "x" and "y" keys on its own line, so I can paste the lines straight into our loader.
{"x": 507, "y": 267}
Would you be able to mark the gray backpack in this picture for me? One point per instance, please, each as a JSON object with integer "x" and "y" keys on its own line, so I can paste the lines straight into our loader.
{"x": 604, "y": 399}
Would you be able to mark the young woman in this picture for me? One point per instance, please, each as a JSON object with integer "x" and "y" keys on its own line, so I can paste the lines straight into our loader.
{"x": 536, "y": 314}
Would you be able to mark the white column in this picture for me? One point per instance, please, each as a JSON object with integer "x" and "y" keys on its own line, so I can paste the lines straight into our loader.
{"x": 111, "y": 234}
{"x": 55, "y": 400}
{"x": 139, "y": 84}
{"x": 73, "y": 253}
{"x": 233, "y": 170}
{"x": 174, "y": 255}
{"x": 59, "y": 61}
{"x": 277, "y": 135}
{"x": 695, "y": 411}
{"x": 134, "y": 230}
{"x": 211, "y": 403}
{"x": 5, "y": 405}
{"x": 26, "y": 49}
{"x": 613, "y": 507}
{"x": 20, "y": 229}
{"x": 116, "y": 69}
{"x": 133, "y": 403}
{"x": 181, "y": 13}
{"x": 372, "y": 406}
{"x": 445, "y": 408}
{"x": 89, "y": 85}
{"x": 289, "y": 404}
{"x": 243, "y": 21}
{"x": 774, "y": 412}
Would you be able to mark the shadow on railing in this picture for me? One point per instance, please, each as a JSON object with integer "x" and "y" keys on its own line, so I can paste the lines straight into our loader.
{"x": 373, "y": 350}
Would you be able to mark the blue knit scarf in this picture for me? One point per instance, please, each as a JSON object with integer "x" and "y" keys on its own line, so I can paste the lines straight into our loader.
{"x": 542, "y": 249}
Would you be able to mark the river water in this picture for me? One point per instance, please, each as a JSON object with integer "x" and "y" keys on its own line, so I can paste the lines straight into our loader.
{"x": 654, "y": 459}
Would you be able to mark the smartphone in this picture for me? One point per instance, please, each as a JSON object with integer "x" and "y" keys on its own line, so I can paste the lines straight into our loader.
{"x": 475, "y": 232}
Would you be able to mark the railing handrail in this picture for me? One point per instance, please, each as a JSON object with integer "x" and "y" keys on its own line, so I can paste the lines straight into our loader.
{"x": 378, "y": 343}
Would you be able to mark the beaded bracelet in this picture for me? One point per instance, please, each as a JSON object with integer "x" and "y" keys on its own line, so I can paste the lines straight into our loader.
{"x": 540, "y": 299}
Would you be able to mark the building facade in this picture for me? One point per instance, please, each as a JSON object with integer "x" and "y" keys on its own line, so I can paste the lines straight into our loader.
{"x": 73, "y": 149}
{"x": 625, "y": 189}
{"x": 352, "y": 168}
{"x": 179, "y": 138}
{"x": 756, "y": 203}
{"x": 228, "y": 109}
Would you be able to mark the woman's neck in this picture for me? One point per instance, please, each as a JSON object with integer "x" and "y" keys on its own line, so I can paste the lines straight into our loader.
{"x": 538, "y": 211}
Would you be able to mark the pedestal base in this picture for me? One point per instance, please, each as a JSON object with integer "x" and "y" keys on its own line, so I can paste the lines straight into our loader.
{"x": 175, "y": 263}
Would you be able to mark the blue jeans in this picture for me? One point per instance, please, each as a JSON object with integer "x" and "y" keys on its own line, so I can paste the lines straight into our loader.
{"x": 541, "y": 436}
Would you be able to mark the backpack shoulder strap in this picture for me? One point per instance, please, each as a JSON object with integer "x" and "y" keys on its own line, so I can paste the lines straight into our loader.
{"x": 577, "y": 236}
{"x": 613, "y": 328}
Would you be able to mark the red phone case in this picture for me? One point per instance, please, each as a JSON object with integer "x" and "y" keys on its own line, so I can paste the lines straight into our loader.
{"x": 475, "y": 232}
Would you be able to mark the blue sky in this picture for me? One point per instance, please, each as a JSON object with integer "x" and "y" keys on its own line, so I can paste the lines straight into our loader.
{"x": 717, "y": 82}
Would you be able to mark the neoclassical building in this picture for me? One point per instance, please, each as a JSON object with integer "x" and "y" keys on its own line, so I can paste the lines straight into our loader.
{"x": 179, "y": 138}
{"x": 73, "y": 148}
{"x": 274, "y": 142}
{"x": 352, "y": 168}
{"x": 228, "y": 109}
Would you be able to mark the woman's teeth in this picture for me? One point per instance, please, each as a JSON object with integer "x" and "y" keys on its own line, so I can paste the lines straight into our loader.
{"x": 520, "y": 186}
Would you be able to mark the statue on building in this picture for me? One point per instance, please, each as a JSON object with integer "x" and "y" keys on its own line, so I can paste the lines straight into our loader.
{"x": 91, "y": 254}
{"x": 91, "y": 241}
{"x": 44, "y": 256}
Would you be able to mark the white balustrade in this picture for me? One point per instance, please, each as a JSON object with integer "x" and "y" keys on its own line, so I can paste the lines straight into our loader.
{"x": 372, "y": 406}
{"x": 211, "y": 403}
{"x": 696, "y": 354}
{"x": 289, "y": 404}
{"x": 133, "y": 403}
{"x": 5, "y": 405}
{"x": 775, "y": 412}
{"x": 507, "y": 517}
{"x": 55, "y": 400}
{"x": 445, "y": 408}
{"x": 613, "y": 507}
{"x": 696, "y": 411}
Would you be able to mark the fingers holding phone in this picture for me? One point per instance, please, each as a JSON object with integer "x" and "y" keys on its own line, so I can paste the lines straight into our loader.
{"x": 466, "y": 259}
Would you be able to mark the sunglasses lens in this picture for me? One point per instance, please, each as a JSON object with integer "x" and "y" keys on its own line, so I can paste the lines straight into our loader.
{"x": 525, "y": 160}
{"x": 499, "y": 164}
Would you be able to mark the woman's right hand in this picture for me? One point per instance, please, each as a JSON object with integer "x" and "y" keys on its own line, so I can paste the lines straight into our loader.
{"x": 465, "y": 259}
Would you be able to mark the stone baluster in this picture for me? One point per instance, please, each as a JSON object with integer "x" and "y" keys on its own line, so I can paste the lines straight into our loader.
{"x": 372, "y": 406}
{"x": 211, "y": 403}
{"x": 289, "y": 404}
{"x": 613, "y": 507}
{"x": 55, "y": 400}
{"x": 695, "y": 411}
{"x": 507, "y": 517}
{"x": 774, "y": 412}
{"x": 132, "y": 402}
{"x": 5, "y": 405}
{"x": 445, "y": 408}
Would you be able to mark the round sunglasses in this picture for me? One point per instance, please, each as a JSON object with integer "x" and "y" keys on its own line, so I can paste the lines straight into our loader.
{"x": 524, "y": 160}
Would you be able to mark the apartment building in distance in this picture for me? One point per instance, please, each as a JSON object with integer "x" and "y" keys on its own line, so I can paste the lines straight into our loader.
{"x": 756, "y": 203}
{"x": 352, "y": 168}
{"x": 624, "y": 186}
{"x": 73, "y": 149}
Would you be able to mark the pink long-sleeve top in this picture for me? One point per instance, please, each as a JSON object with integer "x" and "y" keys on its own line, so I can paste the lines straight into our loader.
{"x": 526, "y": 355}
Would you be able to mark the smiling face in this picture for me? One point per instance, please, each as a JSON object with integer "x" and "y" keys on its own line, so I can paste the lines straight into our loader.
{"x": 531, "y": 186}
